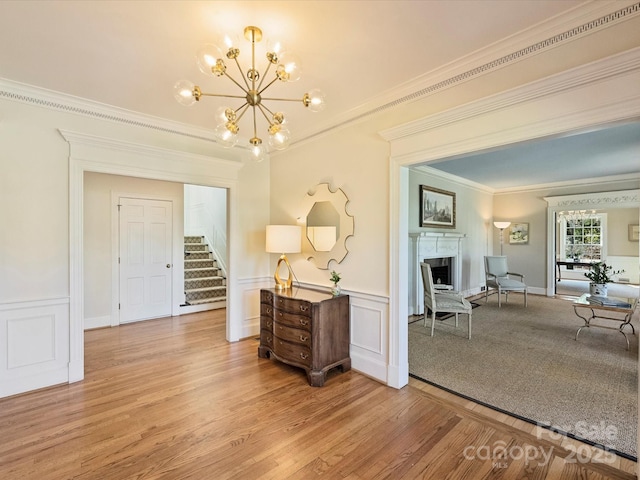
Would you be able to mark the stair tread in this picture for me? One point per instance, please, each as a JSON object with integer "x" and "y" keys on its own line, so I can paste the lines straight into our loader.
{"x": 216, "y": 277}
{"x": 207, "y": 271}
{"x": 208, "y": 300}
{"x": 204, "y": 289}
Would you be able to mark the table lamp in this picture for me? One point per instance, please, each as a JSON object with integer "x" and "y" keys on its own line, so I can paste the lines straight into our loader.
{"x": 283, "y": 239}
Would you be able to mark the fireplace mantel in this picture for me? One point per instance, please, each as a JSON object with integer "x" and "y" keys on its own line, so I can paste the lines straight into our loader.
{"x": 433, "y": 245}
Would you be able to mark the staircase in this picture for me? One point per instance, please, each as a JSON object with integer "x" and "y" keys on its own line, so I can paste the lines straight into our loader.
{"x": 205, "y": 286}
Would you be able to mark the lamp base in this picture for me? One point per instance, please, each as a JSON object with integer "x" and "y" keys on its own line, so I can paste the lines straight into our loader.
{"x": 283, "y": 284}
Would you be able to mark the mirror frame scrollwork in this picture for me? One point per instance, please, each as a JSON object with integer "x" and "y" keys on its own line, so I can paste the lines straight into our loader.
{"x": 339, "y": 200}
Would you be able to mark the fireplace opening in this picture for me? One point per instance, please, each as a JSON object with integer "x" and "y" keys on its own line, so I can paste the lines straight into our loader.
{"x": 441, "y": 270}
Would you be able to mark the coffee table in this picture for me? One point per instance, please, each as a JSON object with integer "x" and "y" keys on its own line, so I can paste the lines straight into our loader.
{"x": 621, "y": 314}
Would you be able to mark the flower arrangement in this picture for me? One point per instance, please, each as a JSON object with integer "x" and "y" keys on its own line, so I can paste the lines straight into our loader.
{"x": 335, "y": 278}
{"x": 601, "y": 273}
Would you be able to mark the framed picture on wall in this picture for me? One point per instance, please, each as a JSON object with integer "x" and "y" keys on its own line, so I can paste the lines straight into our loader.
{"x": 519, "y": 233}
{"x": 633, "y": 233}
{"x": 437, "y": 207}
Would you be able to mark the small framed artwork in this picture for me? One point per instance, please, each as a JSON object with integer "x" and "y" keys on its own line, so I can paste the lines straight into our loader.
{"x": 437, "y": 208}
{"x": 519, "y": 233}
{"x": 633, "y": 233}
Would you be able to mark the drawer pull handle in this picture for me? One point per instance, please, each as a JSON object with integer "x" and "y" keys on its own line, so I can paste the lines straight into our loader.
{"x": 303, "y": 356}
{"x": 269, "y": 339}
{"x": 304, "y": 308}
{"x": 280, "y": 314}
{"x": 269, "y": 323}
{"x": 304, "y": 322}
{"x": 303, "y": 339}
{"x": 269, "y": 310}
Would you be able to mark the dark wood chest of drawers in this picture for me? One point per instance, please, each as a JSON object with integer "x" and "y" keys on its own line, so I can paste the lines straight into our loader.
{"x": 307, "y": 329}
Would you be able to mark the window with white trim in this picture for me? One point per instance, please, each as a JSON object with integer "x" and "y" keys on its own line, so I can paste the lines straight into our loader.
{"x": 583, "y": 238}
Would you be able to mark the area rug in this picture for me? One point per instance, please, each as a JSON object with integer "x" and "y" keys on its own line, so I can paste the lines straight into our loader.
{"x": 526, "y": 362}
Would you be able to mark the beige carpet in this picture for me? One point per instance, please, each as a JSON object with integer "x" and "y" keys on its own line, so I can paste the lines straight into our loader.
{"x": 527, "y": 363}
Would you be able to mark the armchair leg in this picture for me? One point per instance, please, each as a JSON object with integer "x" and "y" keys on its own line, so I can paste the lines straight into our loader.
{"x": 525, "y": 297}
{"x": 469, "y": 324}
{"x": 499, "y": 298}
{"x": 433, "y": 322}
{"x": 456, "y": 319}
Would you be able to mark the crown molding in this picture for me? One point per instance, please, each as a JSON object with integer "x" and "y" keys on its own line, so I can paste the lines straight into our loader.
{"x": 582, "y": 20}
{"x": 52, "y": 100}
{"x": 423, "y": 169}
{"x": 599, "y": 181}
{"x": 585, "y": 74}
{"x": 77, "y": 139}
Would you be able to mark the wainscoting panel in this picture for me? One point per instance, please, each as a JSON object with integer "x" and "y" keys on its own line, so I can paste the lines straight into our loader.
{"x": 369, "y": 325}
{"x": 35, "y": 337}
{"x": 251, "y": 305}
{"x": 370, "y": 335}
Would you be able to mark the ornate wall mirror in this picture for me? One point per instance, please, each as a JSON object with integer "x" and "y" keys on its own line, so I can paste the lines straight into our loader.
{"x": 327, "y": 226}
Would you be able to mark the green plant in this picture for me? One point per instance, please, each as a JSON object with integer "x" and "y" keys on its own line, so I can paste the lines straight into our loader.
{"x": 601, "y": 273}
{"x": 335, "y": 277}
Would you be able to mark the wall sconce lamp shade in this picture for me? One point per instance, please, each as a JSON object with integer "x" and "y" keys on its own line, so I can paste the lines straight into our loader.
{"x": 283, "y": 239}
{"x": 501, "y": 226}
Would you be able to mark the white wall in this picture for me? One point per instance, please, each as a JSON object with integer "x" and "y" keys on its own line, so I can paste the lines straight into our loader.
{"x": 474, "y": 207}
{"x": 362, "y": 173}
{"x": 100, "y": 241}
{"x": 530, "y": 206}
{"x": 206, "y": 215}
{"x": 41, "y": 258}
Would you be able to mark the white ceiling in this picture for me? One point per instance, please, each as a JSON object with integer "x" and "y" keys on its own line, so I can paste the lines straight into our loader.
{"x": 129, "y": 54}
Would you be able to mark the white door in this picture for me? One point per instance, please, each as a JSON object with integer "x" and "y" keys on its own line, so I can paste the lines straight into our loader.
{"x": 145, "y": 259}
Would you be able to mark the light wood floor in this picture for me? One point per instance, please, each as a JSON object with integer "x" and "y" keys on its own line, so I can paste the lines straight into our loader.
{"x": 171, "y": 399}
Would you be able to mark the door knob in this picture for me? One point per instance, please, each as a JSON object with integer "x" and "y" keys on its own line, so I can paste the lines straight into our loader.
{"x": 168, "y": 265}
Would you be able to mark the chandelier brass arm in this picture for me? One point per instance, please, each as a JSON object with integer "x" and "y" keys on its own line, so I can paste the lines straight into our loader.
{"x": 287, "y": 69}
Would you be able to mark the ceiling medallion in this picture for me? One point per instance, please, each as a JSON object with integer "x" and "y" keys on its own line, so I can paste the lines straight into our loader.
{"x": 211, "y": 61}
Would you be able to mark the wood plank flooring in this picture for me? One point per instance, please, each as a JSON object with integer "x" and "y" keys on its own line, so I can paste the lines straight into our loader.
{"x": 171, "y": 399}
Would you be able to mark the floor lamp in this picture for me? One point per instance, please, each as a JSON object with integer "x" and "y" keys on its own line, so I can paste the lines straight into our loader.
{"x": 283, "y": 239}
{"x": 501, "y": 226}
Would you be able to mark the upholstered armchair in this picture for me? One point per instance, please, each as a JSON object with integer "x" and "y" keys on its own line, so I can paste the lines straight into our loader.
{"x": 498, "y": 277}
{"x": 442, "y": 301}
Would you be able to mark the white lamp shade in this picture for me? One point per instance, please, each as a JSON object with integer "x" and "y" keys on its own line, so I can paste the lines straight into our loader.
{"x": 284, "y": 239}
{"x": 501, "y": 225}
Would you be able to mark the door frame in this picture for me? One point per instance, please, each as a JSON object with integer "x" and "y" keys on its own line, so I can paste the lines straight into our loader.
{"x": 91, "y": 153}
{"x": 115, "y": 252}
{"x": 584, "y": 98}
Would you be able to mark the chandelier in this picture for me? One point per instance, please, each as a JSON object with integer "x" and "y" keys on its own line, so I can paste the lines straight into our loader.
{"x": 211, "y": 61}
